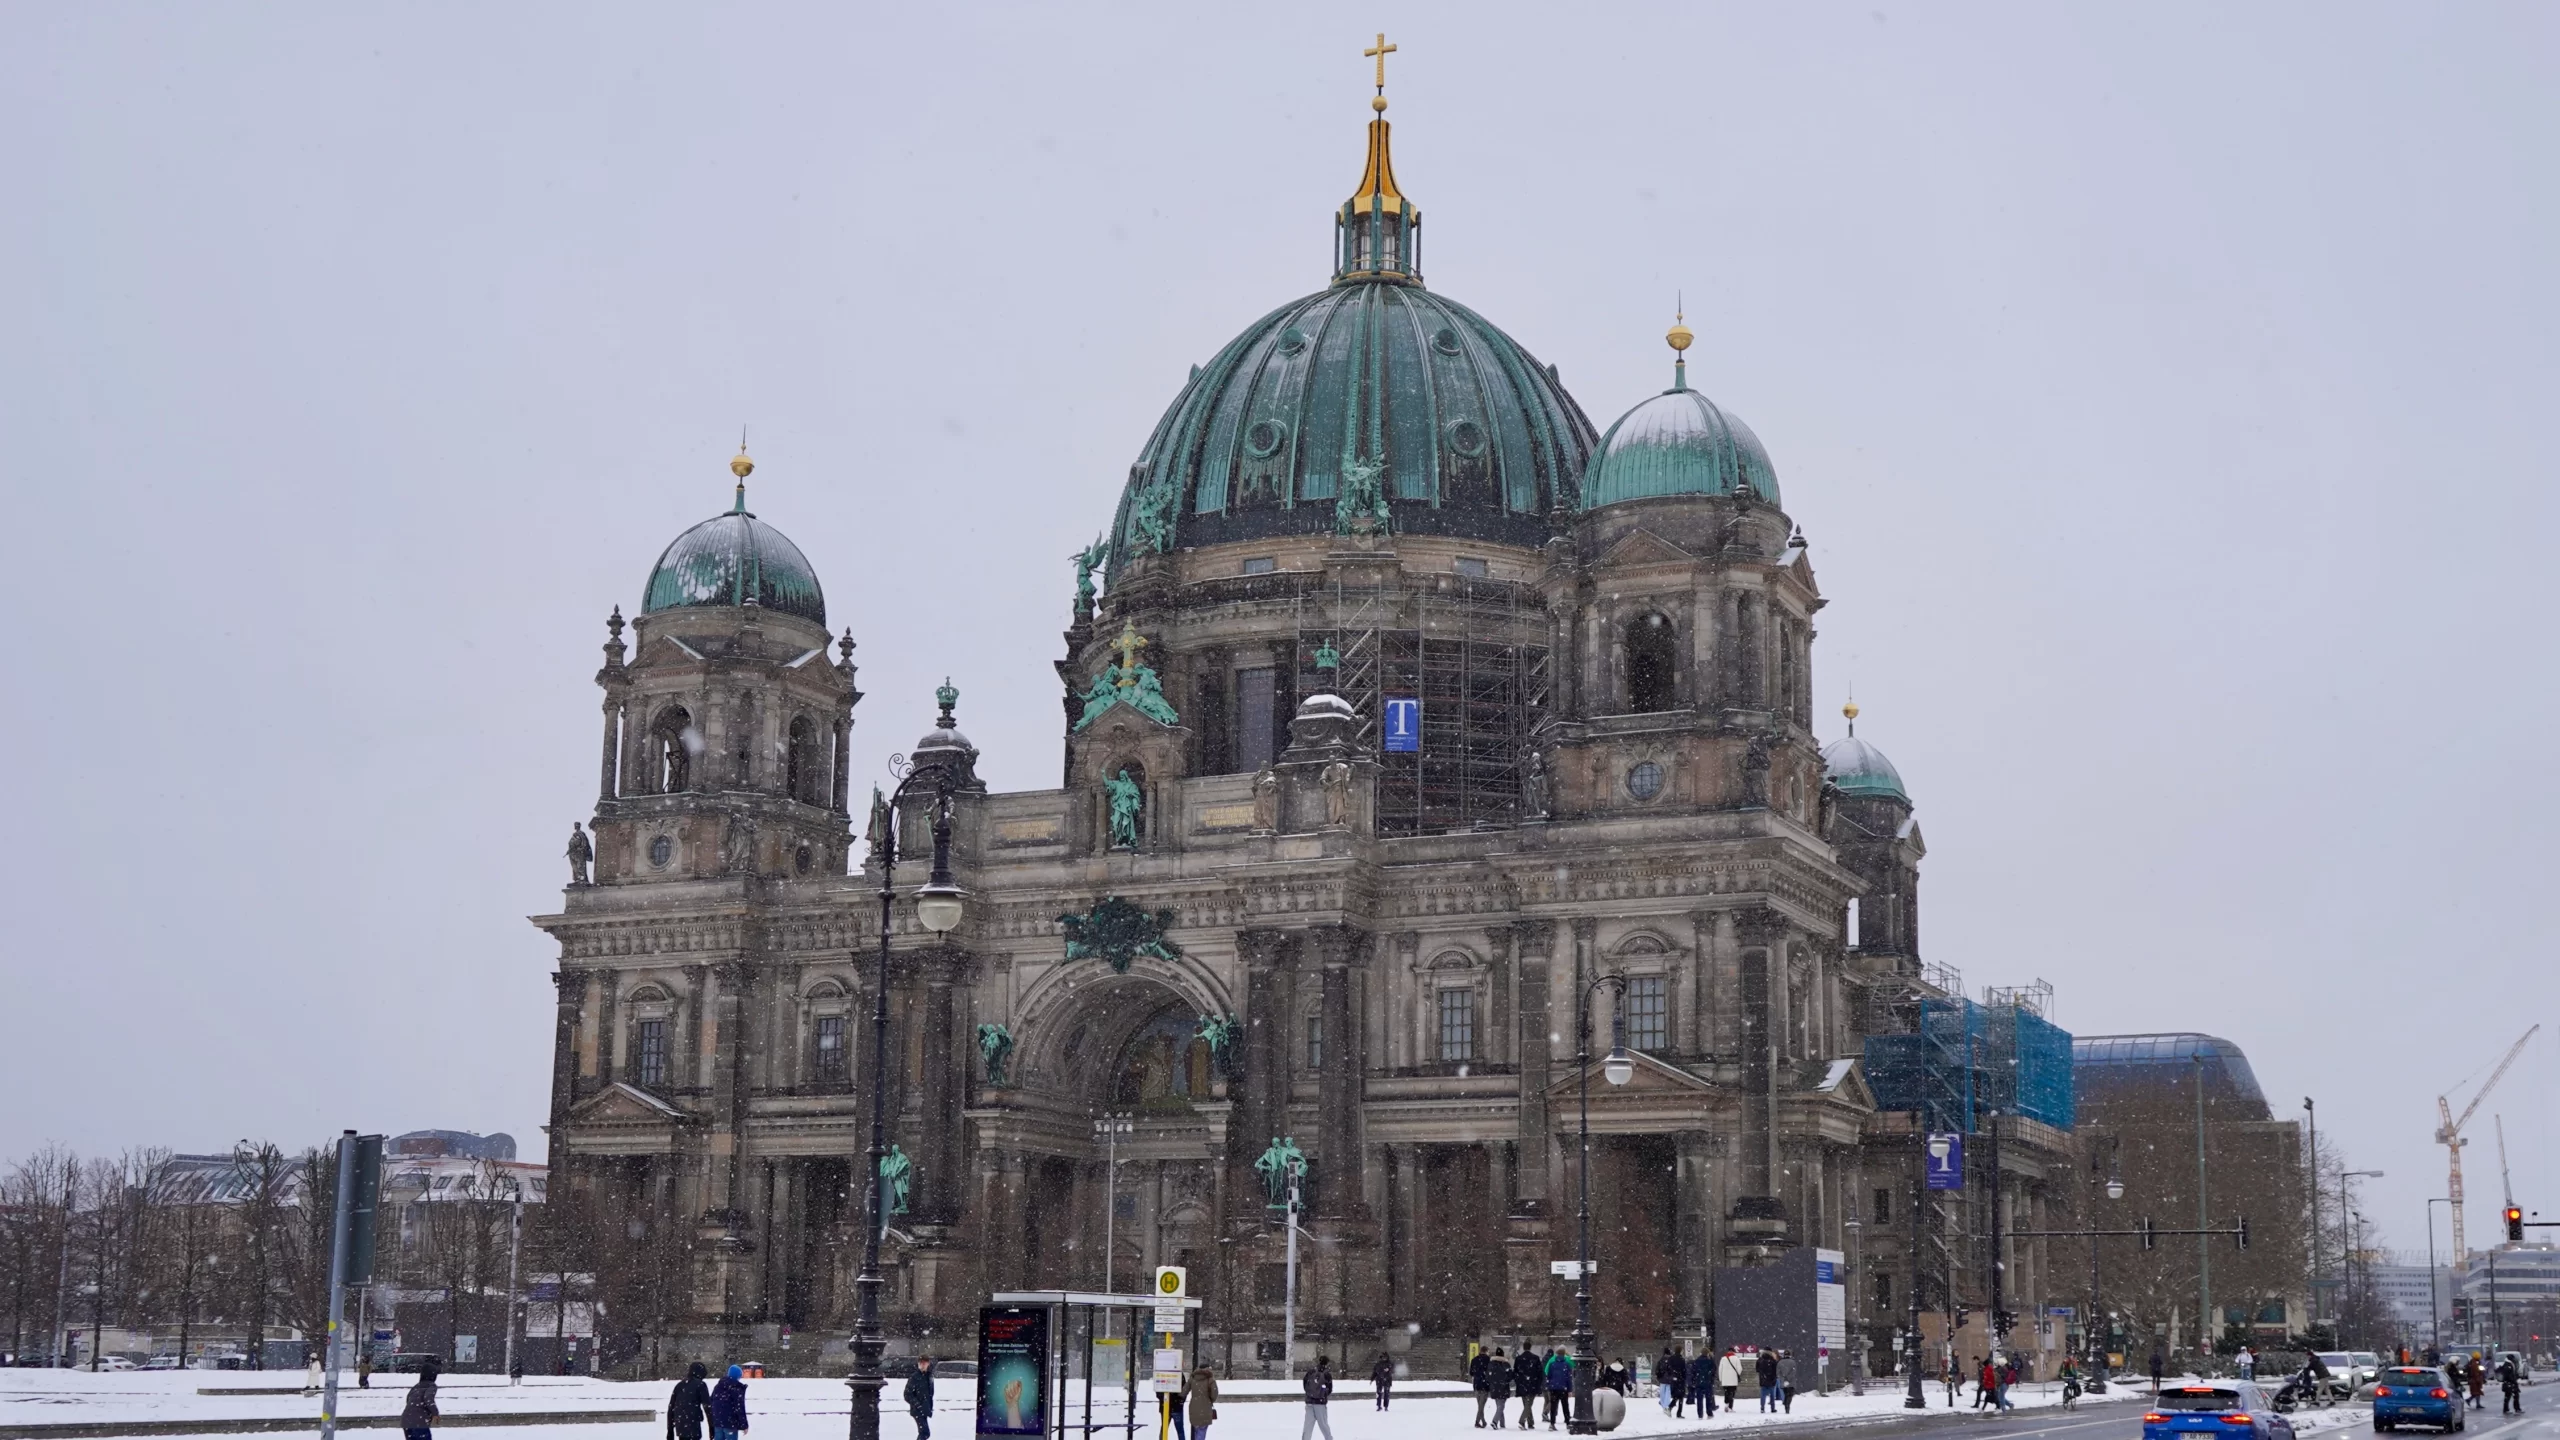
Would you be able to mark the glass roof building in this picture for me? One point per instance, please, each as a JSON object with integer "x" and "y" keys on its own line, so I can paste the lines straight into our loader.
{"x": 2140, "y": 1066}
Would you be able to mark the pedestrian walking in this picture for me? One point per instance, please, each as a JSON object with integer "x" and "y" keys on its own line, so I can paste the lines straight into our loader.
{"x": 1613, "y": 1376}
{"x": 2247, "y": 1362}
{"x": 1765, "y": 1370}
{"x": 1317, "y": 1384}
{"x": 729, "y": 1406}
{"x": 1559, "y": 1385}
{"x": 1702, "y": 1382}
{"x": 919, "y": 1397}
{"x": 1670, "y": 1379}
{"x": 689, "y": 1405}
{"x": 2476, "y": 1376}
{"x": 1528, "y": 1381}
{"x": 2159, "y": 1366}
{"x": 418, "y": 1412}
{"x": 1479, "y": 1374}
{"x": 364, "y": 1368}
{"x": 1787, "y": 1380}
{"x": 1200, "y": 1399}
{"x": 1496, "y": 1386}
{"x": 2002, "y": 1377}
{"x": 1383, "y": 1376}
{"x": 2510, "y": 1387}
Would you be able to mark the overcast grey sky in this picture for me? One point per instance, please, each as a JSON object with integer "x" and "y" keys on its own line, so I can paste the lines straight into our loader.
{"x": 2166, "y": 391}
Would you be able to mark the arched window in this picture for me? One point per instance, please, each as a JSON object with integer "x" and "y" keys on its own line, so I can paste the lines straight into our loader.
{"x": 1653, "y": 664}
{"x": 803, "y": 769}
{"x": 671, "y": 743}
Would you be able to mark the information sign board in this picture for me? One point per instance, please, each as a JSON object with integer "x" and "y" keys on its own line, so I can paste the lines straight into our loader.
{"x": 1013, "y": 1363}
{"x": 1946, "y": 1162}
{"x": 1402, "y": 730}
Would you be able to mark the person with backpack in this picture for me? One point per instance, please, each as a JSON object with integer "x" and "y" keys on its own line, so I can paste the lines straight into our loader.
{"x": 1702, "y": 1381}
{"x": 689, "y": 1405}
{"x": 1765, "y": 1369}
{"x": 2510, "y": 1387}
{"x": 1559, "y": 1386}
{"x": 1317, "y": 1385}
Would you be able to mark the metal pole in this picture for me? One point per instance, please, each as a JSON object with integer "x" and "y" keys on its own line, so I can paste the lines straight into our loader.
{"x": 1289, "y": 1290}
{"x": 1858, "y": 1335}
{"x": 864, "y": 1421}
{"x": 1999, "y": 1313}
{"x": 2205, "y": 1327}
{"x": 2435, "y": 1323}
{"x": 1583, "y": 1361}
{"x": 1912, "y": 1398}
{"x": 515, "y": 1246}
{"x": 2311, "y": 1113}
{"x": 337, "y": 1284}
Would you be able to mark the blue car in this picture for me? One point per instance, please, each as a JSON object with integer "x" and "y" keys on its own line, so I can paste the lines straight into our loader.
{"x": 2415, "y": 1395}
{"x": 2215, "y": 1410}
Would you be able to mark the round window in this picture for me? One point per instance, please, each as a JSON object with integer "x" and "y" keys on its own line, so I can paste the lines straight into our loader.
{"x": 1292, "y": 340}
{"x": 1264, "y": 436}
{"x": 1645, "y": 780}
{"x": 662, "y": 849}
{"x": 804, "y": 858}
{"x": 1466, "y": 437}
{"x": 1445, "y": 340}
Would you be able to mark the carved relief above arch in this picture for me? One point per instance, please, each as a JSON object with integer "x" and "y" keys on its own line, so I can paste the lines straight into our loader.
{"x": 1073, "y": 1022}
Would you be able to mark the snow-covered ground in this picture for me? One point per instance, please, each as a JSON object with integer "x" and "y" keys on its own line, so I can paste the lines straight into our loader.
{"x": 814, "y": 1409}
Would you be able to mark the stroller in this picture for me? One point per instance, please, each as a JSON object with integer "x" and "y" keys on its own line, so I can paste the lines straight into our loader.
{"x": 2307, "y": 1386}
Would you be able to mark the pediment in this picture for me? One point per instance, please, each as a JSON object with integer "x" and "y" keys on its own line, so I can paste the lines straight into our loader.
{"x": 1652, "y": 1079}
{"x": 1643, "y": 547}
{"x": 1843, "y": 1081}
{"x": 621, "y": 1104}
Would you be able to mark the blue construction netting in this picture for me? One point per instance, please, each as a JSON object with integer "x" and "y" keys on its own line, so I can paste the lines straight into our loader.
{"x": 1966, "y": 1059}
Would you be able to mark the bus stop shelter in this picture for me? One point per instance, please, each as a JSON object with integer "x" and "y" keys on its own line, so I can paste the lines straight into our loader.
{"x": 1082, "y": 1313}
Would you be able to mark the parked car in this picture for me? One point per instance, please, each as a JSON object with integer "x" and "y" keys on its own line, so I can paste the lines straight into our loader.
{"x": 2368, "y": 1367}
{"x": 2237, "y": 1409}
{"x": 2415, "y": 1395}
{"x": 2348, "y": 1373}
{"x": 408, "y": 1362}
{"x": 114, "y": 1362}
{"x": 164, "y": 1362}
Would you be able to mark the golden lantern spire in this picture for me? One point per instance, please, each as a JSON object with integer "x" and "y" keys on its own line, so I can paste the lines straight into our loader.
{"x": 1378, "y": 223}
{"x": 742, "y": 467}
{"x": 1679, "y": 339}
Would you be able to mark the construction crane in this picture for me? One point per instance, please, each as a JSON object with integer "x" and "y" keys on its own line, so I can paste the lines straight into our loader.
{"x": 2506, "y": 1182}
{"x": 2449, "y": 1135}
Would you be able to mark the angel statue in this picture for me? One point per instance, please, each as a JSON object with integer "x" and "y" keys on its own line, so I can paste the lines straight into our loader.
{"x": 1127, "y": 803}
{"x": 995, "y": 1052}
{"x": 1088, "y": 560}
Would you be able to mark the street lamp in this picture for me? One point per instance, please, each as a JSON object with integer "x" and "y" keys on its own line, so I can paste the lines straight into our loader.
{"x": 1618, "y": 1069}
{"x": 1858, "y": 1333}
{"x": 1108, "y": 1130}
{"x": 2435, "y": 1323}
{"x": 2093, "y": 1332}
{"x": 938, "y": 908}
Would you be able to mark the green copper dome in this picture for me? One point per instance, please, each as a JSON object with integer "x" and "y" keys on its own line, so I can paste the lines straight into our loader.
{"x": 1677, "y": 443}
{"x": 1859, "y": 768}
{"x": 729, "y": 557}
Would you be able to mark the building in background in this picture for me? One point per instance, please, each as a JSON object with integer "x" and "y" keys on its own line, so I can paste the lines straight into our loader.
{"x": 2419, "y": 1307}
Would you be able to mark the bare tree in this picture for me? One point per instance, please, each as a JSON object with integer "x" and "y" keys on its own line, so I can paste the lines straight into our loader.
{"x": 265, "y": 1179}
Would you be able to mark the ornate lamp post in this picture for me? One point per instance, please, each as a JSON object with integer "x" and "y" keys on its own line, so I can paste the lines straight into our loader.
{"x": 1108, "y": 1130}
{"x": 938, "y": 906}
{"x": 1619, "y": 1068}
{"x": 2094, "y": 1331}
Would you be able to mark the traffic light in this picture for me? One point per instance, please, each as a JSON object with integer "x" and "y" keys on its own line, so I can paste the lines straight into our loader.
{"x": 2241, "y": 1236}
{"x": 1962, "y": 1313}
{"x": 2515, "y": 1226}
{"x": 2150, "y": 1234}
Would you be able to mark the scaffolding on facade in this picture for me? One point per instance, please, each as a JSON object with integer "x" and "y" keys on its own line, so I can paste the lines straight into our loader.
{"x": 1961, "y": 1061}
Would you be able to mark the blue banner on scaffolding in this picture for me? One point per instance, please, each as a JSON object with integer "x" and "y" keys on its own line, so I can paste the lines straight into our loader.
{"x": 1946, "y": 1162}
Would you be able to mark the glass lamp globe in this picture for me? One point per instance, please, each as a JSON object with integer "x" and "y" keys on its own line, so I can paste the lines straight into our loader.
{"x": 2115, "y": 1189}
{"x": 938, "y": 907}
{"x": 1620, "y": 1067}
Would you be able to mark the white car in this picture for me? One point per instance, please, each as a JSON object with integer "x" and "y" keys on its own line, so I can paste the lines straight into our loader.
{"x": 162, "y": 1362}
{"x": 114, "y": 1362}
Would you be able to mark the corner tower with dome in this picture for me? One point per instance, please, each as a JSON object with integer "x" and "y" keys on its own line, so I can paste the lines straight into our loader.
{"x": 1413, "y": 719}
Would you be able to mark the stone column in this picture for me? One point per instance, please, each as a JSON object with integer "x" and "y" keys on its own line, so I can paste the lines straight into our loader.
{"x": 569, "y": 988}
{"x": 606, "y": 788}
{"x": 1759, "y": 1227}
{"x": 843, "y": 753}
{"x": 609, "y": 1029}
{"x": 1693, "y": 1225}
{"x": 1340, "y": 1087}
{"x": 1537, "y": 957}
{"x": 1262, "y": 1095}
{"x": 728, "y": 1097}
{"x": 1497, "y": 1030}
{"x": 945, "y": 1082}
{"x": 688, "y": 1040}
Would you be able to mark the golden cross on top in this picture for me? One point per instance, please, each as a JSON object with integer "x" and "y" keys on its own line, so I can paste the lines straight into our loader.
{"x": 1380, "y": 52}
{"x": 1129, "y": 644}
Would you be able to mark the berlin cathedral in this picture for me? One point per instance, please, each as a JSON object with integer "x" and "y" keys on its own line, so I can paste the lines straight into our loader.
{"x": 1407, "y": 719}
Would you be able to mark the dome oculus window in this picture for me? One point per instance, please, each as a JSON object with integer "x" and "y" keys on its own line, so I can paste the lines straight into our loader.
{"x": 1263, "y": 438}
{"x": 1644, "y": 781}
{"x": 1292, "y": 340}
{"x": 662, "y": 848}
{"x": 1466, "y": 437}
{"x": 1445, "y": 340}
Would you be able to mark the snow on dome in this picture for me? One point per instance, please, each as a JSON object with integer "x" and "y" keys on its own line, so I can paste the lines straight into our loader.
{"x": 1859, "y": 768}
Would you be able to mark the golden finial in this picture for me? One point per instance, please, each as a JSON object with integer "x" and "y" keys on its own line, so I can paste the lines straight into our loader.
{"x": 1850, "y": 711}
{"x": 1680, "y": 336}
{"x": 742, "y": 467}
{"x": 1379, "y": 52}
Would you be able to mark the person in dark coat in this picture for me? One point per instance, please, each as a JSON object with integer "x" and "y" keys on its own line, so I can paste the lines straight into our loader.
{"x": 1200, "y": 1398}
{"x": 1702, "y": 1382}
{"x": 919, "y": 1397}
{"x": 418, "y": 1412}
{"x": 1529, "y": 1381}
{"x": 1478, "y": 1365}
{"x": 1559, "y": 1385}
{"x": 1613, "y": 1376}
{"x": 1318, "y": 1387}
{"x": 1670, "y": 1379}
{"x": 1382, "y": 1376}
{"x": 690, "y": 1405}
{"x": 1765, "y": 1369}
{"x": 1495, "y": 1381}
{"x": 729, "y": 1406}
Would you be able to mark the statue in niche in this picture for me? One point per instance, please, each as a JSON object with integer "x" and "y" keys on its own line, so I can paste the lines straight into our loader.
{"x": 995, "y": 1052}
{"x": 1361, "y": 506}
{"x": 1337, "y": 793}
{"x": 1221, "y": 1033}
{"x": 1266, "y": 801}
{"x": 897, "y": 1173}
{"x": 1128, "y": 803}
{"x": 581, "y": 852}
{"x": 1533, "y": 786}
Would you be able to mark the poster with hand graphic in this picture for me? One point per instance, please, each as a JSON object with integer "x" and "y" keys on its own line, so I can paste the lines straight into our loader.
{"x": 1013, "y": 1364}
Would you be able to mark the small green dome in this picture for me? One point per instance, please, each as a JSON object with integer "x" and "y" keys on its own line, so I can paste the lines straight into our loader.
{"x": 729, "y": 557}
{"x": 1858, "y": 768}
{"x": 1677, "y": 443}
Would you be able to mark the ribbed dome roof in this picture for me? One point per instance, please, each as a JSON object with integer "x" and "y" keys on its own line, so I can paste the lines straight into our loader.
{"x": 728, "y": 557}
{"x": 1474, "y": 436}
{"x": 1677, "y": 443}
{"x": 1859, "y": 768}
